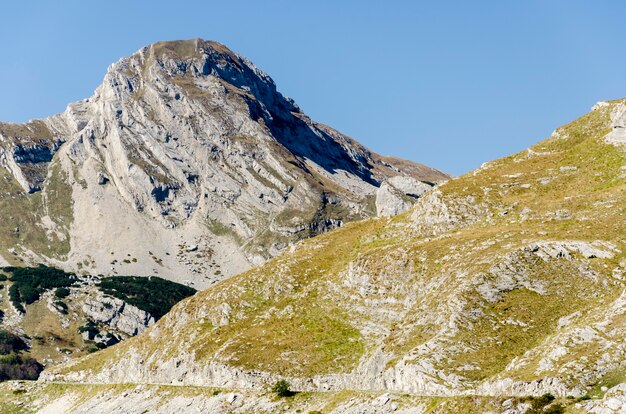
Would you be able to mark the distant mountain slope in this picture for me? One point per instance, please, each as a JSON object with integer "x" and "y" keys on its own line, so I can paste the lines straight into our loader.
{"x": 506, "y": 281}
{"x": 186, "y": 163}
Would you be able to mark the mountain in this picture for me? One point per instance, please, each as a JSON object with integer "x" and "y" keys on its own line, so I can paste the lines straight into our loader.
{"x": 501, "y": 290}
{"x": 186, "y": 163}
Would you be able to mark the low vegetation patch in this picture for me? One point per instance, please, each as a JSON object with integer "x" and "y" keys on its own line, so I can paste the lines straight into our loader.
{"x": 151, "y": 294}
{"x": 62, "y": 292}
{"x": 13, "y": 366}
{"x": 29, "y": 283}
{"x": 281, "y": 389}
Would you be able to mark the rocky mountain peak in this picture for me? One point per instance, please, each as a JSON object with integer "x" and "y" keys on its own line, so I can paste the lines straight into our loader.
{"x": 188, "y": 144}
{"x": 199, "y": 59}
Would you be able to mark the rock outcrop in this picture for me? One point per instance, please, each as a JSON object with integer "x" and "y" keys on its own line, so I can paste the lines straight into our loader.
{"x": 117, "y": 314}
{"x": 397, "y": 194}
{"x": 618, "y": 125}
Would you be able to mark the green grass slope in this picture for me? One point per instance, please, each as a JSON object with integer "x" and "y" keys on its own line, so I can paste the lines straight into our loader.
{"x": 506, "y": 281}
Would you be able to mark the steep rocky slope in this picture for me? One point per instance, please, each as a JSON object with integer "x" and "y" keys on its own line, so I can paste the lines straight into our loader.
{"x": 187, "y": 159}
{"x": 508, "y": 281}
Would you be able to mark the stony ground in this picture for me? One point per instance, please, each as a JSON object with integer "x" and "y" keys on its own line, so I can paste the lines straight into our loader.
{"x": 39, "y": 398}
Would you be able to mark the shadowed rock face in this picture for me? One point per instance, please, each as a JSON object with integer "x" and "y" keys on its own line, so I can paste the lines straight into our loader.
{"x": 184, "y": 143}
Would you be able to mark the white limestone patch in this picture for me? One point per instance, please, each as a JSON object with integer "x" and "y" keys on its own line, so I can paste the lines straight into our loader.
{"x": 618, "y": 124}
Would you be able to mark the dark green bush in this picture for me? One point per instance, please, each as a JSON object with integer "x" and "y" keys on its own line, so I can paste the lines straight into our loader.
{"x": 62, "y": 292}
{"x": 12, "y": 365}
{"x": 9, "y": 359}
{"x": 14, "y": 297}
{"x": 91, "y": 328}
{"x": 540, "y": 402}
{"x": 151, "y": 294}
{"x": 61, "y": 307}
{"x": 29, "y": 283}
{"x": 281, "y": 389}
{"x": 22, "y": 369}
{"x": 28, "y": 294}
{"x": 10, "y": 343}
{"x": 542, "y": 405}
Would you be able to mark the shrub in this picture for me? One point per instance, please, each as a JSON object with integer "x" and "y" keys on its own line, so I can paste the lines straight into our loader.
{"x": 10, "y": 343}
{"x": 151, "y": 294}
{"x": 62, "y": 292}
{"x": 14, "y": 297}
{"x": 554, "y": 409}
{"x": 540, "y": 402}
{"x": 29, "y": 283}
{"x": 543, "y": 404}
{"x": 61, "y": 307}
{"x": 281, "y": 389}
{"x": 90, "y": 327}
{"x": 12, "y": 365}
{"x": 25, "y": 369}
{"x": 28, "y": 294}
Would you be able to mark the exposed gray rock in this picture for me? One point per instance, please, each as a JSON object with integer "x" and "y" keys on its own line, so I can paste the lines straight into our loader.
{"x": 390, "y": 201}
{"x": 397, "y": 194}
{"x": 117, "y": 314}
{"x": 613, "y": 402}
{"x": 409, "y": 185}
{"x": 563, "y": 249}
{"x": 618, "y": 125}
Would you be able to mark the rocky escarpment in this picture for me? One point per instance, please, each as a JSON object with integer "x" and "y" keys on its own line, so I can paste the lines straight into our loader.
{"x": 507, "y": 281}
{"x": 185, "y": 144}
{"x": 117, "y": 314}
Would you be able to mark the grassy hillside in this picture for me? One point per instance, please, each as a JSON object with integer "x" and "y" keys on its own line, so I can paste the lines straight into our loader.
{"x": 23, "y": 226}
{"x": 512, "y": 272}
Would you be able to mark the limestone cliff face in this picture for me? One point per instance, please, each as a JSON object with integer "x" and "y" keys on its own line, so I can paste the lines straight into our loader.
{"x": 188, "y": 160}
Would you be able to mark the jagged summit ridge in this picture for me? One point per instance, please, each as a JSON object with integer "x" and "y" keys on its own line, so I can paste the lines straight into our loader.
{"x": 185, "y": 144}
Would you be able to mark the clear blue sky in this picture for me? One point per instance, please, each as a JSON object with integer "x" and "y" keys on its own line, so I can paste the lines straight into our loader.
{"x": 448, "y": 83}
